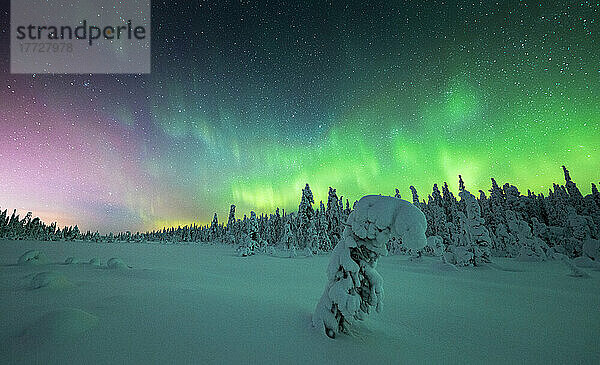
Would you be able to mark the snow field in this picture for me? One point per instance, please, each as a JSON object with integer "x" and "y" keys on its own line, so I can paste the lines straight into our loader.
{"x": 203, "y": 304}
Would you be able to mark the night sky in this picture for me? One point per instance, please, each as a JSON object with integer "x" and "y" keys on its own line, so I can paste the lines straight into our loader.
{"x": 248, "y": 101}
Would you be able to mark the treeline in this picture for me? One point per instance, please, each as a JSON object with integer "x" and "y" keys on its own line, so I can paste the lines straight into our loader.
{"x": 507, "y": 223}
{"x": 464, "y": 230}
{"x": 14, "y": 228}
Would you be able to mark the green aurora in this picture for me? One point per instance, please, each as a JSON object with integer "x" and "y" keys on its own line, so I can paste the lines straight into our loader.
{"x": 248, "y": 102}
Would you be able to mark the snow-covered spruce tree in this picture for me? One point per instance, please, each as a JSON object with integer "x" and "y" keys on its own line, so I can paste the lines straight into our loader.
{"x": 334, "y": 216}
{"x": 437, "y": 225}
{"x": 287, "y": 238}
{"x": 533, "y": 207}
{"x": 3, "y": 223}
{"x": 14, "y": 226}
{"x": 251, "y": 239}
{"x": 585, "y": 225}
{"x": 595, "y": 196}
{"x": 592, "y": 209}
{"x": 526, "y": 247}
{"x": 514, "y": 200}
{"x": 415, "y": 197}
{"x": 354, "y": 286}
{"x": 231, "y": 226}
{"x": 474, "y": 244}
{"x": 305, "y": 209}
{"x": 575, "y": 196}
{"x": 450, "y": 204}
{"x": 305, "y": 215}
{"x": 312, "y": 239}
{"x": 495, "y": 218}
{"x": 75, "y": 233}
{"x": 214, "y": 229}
{"x": 347, "y": 210}
{"x": 325, "y": 244}
{"x": 187, "y": 233}
{"x": 435, "y": 244}
{"x": 345, "y": 213}
{"x": 266, "y": 233}
{"x": 277, "y": 227}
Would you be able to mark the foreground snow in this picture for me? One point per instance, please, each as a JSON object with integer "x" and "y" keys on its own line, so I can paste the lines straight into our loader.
{"x": 203, "y": 304}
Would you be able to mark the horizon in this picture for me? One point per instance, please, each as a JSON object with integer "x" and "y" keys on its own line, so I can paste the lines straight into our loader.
{"x": 222, "y": 217}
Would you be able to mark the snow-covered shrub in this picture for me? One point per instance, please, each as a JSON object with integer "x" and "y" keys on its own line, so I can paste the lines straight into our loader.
{"x": 354, "y": 286}
{"x": 32, "y": 257}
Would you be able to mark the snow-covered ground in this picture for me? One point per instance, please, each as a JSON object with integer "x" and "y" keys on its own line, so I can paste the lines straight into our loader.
{"x": 202, "y": 304}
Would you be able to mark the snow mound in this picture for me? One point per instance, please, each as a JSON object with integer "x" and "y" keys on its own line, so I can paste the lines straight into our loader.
{"x": 69, "y": 260}
{"x": 60, "y": 326}
{"x": 576, "y": 272}
{"x": 591, "y": 248}
{"x": 585, "y": 262}
{"x": 458, "y": 255}
{"x": 95, "y": 261}
{"x": 32, "y": 257}
{"x": 556, "y": 253}
{"x": 246, "y": 250}
{"x": 527, "y": 254}
{"x": 116, "y": 263}
{"x": 51, "y": 280}
{"x": 443, "y": 266}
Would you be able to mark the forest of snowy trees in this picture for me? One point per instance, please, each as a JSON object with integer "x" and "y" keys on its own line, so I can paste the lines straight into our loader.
{"x": 465, "y": 231}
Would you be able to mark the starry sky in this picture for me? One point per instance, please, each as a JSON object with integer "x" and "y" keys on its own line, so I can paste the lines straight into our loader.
{"x": 250, "y": 100}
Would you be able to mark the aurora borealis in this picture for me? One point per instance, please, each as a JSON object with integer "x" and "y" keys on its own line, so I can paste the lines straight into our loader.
{"x": 249, "y": 101}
